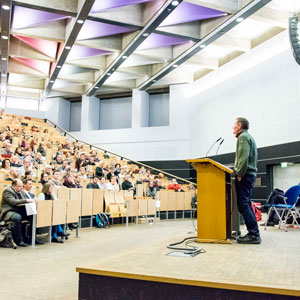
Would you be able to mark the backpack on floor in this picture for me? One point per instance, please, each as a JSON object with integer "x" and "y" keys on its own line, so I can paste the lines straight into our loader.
{"x": 257, "y": 211}
{"x": 102, "y": 220}
{"x": 6, "y": 239}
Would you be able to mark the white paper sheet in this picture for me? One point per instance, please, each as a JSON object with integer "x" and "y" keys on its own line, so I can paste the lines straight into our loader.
{"x": 30, "y": 209}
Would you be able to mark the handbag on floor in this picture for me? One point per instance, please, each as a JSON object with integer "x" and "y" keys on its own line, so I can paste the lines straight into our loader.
{"x": 6, "y": 239}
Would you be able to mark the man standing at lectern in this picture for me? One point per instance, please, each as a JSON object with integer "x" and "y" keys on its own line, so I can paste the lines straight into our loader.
{"x": 245, "y": 167}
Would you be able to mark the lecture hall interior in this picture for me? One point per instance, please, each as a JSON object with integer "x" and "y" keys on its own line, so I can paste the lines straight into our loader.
{"x": 118, "y": 174}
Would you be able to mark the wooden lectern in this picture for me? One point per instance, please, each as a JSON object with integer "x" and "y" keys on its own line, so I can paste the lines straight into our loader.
{"x": 213, "y": 201}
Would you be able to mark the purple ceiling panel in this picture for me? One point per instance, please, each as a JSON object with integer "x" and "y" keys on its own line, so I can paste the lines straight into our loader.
{"x": 158, "y": 40}
{"x": 26, "y": 17}
{"x": 100, "y": 5}
{"x": 81, "y": 52}
{"x": 188, "y": 12}
{"x": 92, "y": 29}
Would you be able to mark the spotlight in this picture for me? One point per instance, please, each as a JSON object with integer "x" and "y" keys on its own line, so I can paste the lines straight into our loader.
{"x": 175, "y": 66}
{"x": 202, "y": 46}
{"x": 96, "y": 87}
{"x": 4, "y": 58}
{"x": 239, "y": 20}
{"x": 5, "y": 7}
{"x": 5, "y": 37}
{"x": 58, "y": 67}
{"x": 146, "y": 34}
{"x": 68, "y": 47}
{"x": 124, "y": 56}
{"x": 175, "y": 3}
{"x": 108, "y": 74}
{"x": 80, "y": 21}
{"x": 51, "y": 81}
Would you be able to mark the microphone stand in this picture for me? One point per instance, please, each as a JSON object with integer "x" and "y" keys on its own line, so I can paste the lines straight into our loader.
{"x": 212, "y": 146}
{"x": 219, "y": 146}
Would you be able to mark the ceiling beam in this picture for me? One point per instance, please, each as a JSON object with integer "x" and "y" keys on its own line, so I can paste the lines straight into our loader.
{"x": 244, "y": 13}
{"x": 150, "y": 27}
{"x": 75, "y": 26}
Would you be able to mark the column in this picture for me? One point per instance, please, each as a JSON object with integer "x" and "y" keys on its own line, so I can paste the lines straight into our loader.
{"x": 90, "y": 111}
{"x": 140, "y": 109}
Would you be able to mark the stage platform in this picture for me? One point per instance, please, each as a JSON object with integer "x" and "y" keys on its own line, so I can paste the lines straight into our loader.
{"x": 267, "y": 271}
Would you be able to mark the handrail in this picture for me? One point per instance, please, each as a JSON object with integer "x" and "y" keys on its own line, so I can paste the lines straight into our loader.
{"x": 122, "y": 157}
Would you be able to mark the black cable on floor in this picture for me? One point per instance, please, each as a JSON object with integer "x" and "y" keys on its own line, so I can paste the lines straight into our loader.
{"x": 188, "y": 249}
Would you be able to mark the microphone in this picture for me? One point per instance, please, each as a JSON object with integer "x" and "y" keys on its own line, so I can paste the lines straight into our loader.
{"x": 219, "y": 146}
{"x": 212, "y": 146}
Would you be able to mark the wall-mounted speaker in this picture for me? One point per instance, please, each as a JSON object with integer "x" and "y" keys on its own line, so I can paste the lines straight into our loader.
{"x": 293, "y": 32}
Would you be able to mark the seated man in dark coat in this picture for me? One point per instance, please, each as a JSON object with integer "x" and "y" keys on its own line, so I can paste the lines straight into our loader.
{"x": 11, "y": 198}
{"x": 126, "y": 184}
{"x": 93, "y": 184}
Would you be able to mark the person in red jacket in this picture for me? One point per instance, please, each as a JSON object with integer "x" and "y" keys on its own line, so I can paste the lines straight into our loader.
{"x": 174, "y": 186}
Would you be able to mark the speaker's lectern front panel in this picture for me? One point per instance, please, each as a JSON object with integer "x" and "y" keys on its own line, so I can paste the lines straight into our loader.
{"x": 212, "y": 209}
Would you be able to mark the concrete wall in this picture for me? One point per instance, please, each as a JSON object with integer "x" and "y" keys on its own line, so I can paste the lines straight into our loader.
{"x": 267, "y": 94}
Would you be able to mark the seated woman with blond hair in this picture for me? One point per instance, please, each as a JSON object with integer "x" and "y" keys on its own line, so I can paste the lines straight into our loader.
{"x": 47, "y": 194}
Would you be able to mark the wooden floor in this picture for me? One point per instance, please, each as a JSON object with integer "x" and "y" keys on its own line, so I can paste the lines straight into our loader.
{"x": 271, "y": 267}
{"x": 48, "y": 272}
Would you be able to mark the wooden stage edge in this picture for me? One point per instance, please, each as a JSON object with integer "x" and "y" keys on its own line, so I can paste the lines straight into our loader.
{"x": 269, "y": 289}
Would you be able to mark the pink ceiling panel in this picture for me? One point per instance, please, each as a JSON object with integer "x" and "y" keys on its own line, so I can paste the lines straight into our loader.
{"x": 38, "y": 65}
{"x": 48, "y": 48}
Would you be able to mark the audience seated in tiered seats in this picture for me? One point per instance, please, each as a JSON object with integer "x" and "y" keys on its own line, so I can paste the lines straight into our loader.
{"x": 36, "y": 152}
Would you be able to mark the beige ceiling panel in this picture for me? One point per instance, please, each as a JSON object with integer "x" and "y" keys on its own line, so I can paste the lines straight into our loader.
{"x": 54, "y": 31}
{"x": 96, "y": 62}
{"x": 62, "y": 5}
{"x": 131, "y": 14}
{"x": 80, "y": 77}
{"x": 113, "y": 42}
{"x": 185, "y": 30}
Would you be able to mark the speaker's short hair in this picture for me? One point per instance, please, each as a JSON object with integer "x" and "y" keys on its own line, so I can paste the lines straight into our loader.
{"x": 244, "y": 123}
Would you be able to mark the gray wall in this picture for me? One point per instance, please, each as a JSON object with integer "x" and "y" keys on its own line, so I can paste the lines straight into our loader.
{"x": 115, "y": 113}
{"x": 75, "y": 116}
{"x": 159, "y": 110}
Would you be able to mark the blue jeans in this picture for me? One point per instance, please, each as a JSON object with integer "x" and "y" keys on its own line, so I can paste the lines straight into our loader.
{"x": 244, "y": 193}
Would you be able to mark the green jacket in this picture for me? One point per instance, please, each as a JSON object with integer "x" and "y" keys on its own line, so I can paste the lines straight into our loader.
{"x": 246, "y": 155}
{"x": 9, "y": 203}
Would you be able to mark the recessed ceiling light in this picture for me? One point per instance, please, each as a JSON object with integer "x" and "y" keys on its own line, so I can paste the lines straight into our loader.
{"x": 5, "y": 7}
{"x": 239, "y": 20}
{"x": 202, "y": 46}
{"x": 4, "y": 58}
{"x": 80, "y": 21}
{"x": 124, "y": 56}
{"x": 108, "y": 74}
{"x": 58, "y": 67}
{"x": 3, "y": 75}
{"x": 96, "y": 87}
{"x": 68, "y": 47}
{"x": 5, "y": 37}
{"x": 175, "y": 66}
{"x": 175, "y": 3}
{"x": 154, "y": 80}
{"x": 146, "y": 34}
{"x": 51, "y": 81}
